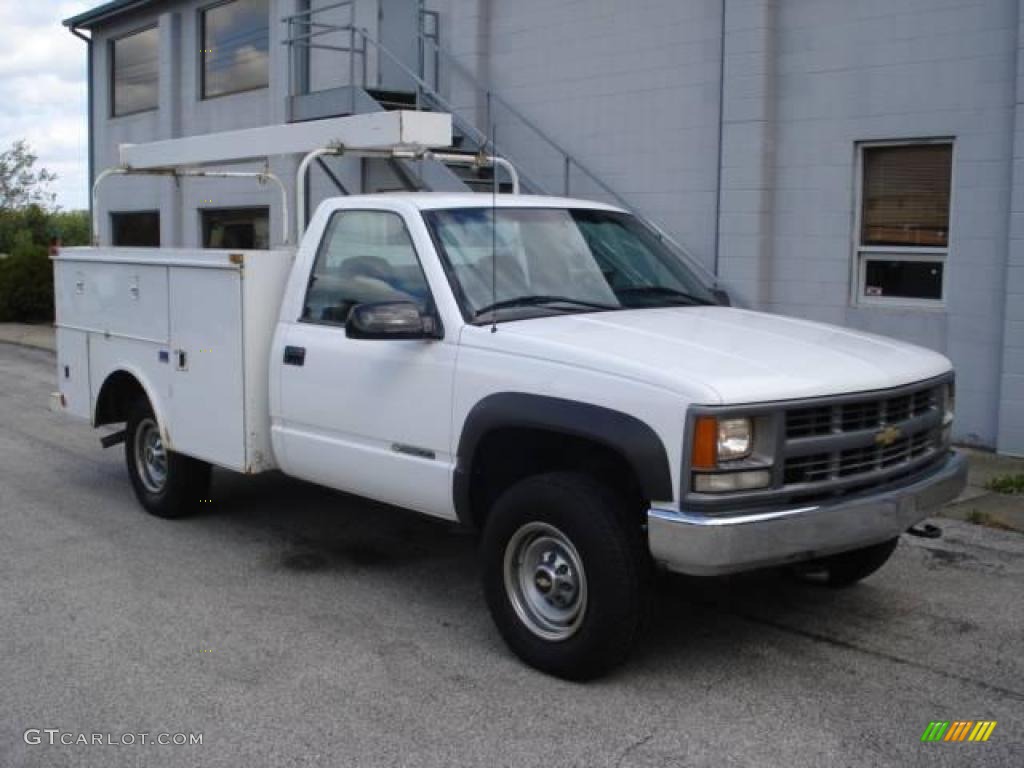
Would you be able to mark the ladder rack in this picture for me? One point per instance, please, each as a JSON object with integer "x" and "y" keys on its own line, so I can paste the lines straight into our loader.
{"x": 401, "y": 134}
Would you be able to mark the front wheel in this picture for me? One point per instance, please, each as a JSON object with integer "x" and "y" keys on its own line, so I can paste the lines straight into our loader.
{"x": 564, "y": 574}
{"x": 167, "y": 484}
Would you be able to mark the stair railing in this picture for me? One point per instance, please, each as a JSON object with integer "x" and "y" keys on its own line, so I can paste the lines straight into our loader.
{"x": 426, "y": 93}
{"x": 568, "y": 162}
{"x": 303, "y": 31}
{"x": 430, "y": 30}
{"x": 492, "y": 100}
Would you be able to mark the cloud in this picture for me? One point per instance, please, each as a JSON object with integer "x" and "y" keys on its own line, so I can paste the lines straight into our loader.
{"x": 248, "y": 68}
{"x": 44, "y": 91}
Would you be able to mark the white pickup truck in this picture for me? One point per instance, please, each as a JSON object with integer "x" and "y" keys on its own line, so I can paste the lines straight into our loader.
{"x": 544, "y": 370}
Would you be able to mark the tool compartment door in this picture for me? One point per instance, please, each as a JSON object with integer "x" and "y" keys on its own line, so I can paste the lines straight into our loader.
{"x": 118, "y": 298}
{"x": 73, "y": 371}
{"x": 206, "y": 397}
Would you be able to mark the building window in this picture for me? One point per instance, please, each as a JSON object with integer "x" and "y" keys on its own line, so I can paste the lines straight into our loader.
{"x": 902, "y": 238}
{"x": 235, "y": 44}
{"x": 236, "y": 228}
{"x": 135, "y": 72}
{"x": 136, "y": 228}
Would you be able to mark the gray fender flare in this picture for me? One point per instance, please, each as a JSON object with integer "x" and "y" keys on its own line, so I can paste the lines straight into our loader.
{"x": 627, "y": 435}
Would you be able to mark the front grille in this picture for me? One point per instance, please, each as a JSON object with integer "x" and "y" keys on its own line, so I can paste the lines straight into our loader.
{"x": 820, "y": 467}
{"x": 860, "y": 414}
{"x": 834, "y": 447}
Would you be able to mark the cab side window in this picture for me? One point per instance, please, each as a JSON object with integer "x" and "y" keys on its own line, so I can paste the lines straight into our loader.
{"x": 365, "y": 257}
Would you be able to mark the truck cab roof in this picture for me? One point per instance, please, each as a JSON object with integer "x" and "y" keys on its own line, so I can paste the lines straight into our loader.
{"x": 434, "y": 200}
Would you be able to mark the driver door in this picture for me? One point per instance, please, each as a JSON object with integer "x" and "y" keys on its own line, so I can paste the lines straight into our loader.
{"x": 371, "y": 417}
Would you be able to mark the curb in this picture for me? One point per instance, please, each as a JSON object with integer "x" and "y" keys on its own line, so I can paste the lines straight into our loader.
{"x": 29, "y": 336}
{"x": 28, "y": 345}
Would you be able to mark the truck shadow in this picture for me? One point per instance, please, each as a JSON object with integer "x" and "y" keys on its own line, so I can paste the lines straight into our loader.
{"x": 315, "y": 529}
{"x": 308, "y": 531}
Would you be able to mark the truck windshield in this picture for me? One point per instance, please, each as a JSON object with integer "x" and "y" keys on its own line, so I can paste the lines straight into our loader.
{"x": 514, "y": 263}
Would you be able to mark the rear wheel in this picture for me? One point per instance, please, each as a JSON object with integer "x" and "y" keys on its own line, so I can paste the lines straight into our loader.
{"x": 167, "y": 484}
{"x": 564, "y": 575}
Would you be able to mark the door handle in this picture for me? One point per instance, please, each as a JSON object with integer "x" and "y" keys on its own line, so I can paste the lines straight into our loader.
{"x": 294, "y": 356}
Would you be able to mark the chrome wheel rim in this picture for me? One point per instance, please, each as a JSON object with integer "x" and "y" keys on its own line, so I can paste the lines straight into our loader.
{"x": 545, "y": 581}
{"x": 150, "y": 456}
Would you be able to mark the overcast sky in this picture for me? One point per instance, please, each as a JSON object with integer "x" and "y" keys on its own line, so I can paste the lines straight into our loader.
{"x": 43, "y": 93}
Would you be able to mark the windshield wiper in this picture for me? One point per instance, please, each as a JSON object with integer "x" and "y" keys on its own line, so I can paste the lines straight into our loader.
{"x": 663, "y": 291}
{"x": 531, "y": 301}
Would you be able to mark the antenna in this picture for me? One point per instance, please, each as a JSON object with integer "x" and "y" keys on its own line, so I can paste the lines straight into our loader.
{"x": 494, "y": 226}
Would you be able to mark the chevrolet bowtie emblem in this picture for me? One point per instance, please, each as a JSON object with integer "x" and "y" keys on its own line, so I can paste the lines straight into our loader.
{"x": 888, "y": 436}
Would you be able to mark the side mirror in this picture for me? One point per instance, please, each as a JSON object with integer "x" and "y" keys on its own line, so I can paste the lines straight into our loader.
{"x": 390, "y": 320}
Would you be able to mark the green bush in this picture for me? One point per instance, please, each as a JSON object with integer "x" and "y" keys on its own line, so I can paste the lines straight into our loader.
{"x": 26, "y": 284}
{"x": 72, "y": 227}
{"x": 17, "y": 224}
{"x": 26, "y": 275}
{"x": 1007, "y": 483}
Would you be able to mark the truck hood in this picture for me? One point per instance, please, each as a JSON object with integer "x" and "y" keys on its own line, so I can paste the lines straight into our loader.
{"x": 724, "y": 353}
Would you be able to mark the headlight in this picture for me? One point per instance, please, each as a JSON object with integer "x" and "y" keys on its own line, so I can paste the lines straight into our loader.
{"x": 949, "y": 406}
{"x": 718, "y": 445}
{"x": 735, "y": 439}
{"x": 718, "y": 440}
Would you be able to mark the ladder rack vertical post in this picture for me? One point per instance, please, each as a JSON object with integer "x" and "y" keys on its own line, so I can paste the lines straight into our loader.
{"x": 352, "y": 64}
{"x": 293, "y": 70}
{"x": 488, "y": 123}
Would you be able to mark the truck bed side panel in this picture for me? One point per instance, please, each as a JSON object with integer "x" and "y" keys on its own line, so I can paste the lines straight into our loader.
{"x": 205, "y": 402}
{"x": 194, "y": 326}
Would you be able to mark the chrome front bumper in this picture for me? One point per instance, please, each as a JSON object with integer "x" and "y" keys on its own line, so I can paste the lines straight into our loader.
{"x": 704, "y": 545}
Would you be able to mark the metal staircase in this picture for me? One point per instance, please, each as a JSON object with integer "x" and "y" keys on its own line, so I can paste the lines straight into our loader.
{"x": 476, "y": 179}
{"x": 332, "y": 28}
{"x": 437, "y": 82}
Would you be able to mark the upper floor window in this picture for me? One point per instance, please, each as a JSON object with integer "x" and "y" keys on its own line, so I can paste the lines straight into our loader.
{"x": 135, "y": 72}
{"x": 244, "y": 228}
{"x": 902, "y": 238}
{"x": 235, "y": 47}
{"x": 135, "y": 228}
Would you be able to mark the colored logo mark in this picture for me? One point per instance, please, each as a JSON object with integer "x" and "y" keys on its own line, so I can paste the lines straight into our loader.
{"x": 958, "y": 730}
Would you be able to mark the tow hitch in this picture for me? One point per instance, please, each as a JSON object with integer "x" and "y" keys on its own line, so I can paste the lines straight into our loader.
{"x": 926, "y": 531}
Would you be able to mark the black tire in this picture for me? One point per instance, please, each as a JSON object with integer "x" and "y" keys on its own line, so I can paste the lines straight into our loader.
{"x": 185, "y": 482}
{"x": 848, "y": 568}
{"x": 614, "y": 562}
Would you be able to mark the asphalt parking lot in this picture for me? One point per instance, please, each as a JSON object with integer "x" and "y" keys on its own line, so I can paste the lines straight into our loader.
{"x": 295, "y": 626}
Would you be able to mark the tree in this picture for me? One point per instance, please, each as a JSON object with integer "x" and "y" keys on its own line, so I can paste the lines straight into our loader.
{"x": 71, "y": 227}
{"x": 29, "y": 223}
{"x": 21, "y": 183}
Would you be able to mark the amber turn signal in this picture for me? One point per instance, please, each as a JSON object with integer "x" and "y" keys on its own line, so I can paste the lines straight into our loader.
{"x": 705, "y": 443}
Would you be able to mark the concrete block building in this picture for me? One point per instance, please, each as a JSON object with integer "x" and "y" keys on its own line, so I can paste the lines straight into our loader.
{"x": 855, "y": 163}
